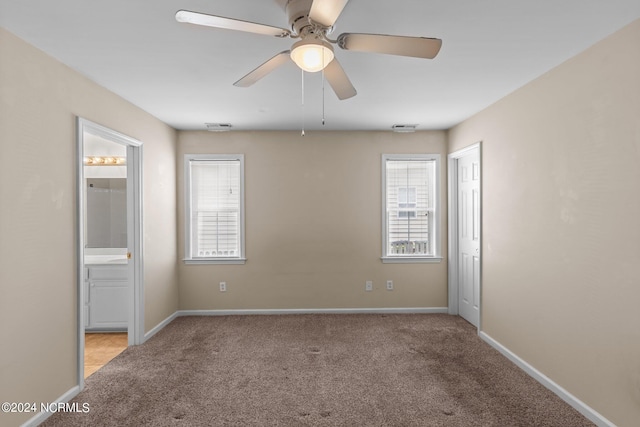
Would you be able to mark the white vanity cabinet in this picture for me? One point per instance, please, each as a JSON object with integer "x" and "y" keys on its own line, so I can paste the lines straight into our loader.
{"x": 105, "y": 297}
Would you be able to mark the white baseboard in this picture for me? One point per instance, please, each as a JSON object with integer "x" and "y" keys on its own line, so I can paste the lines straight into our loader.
{"x": 41, "y": 416}
{"x": 416, "y": 310}
{"x": 245, "y": 312}
{"x": 576, "y": 403}
{"x": 159, "y": 327}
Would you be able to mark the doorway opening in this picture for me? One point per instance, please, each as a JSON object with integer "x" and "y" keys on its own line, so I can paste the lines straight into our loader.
{"x": 101, "y": 348}
{"x": 109, "y": 244}
{"x": 465, "y": 234}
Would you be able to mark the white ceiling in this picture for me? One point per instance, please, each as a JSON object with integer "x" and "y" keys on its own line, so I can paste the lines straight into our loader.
{"x": 183, "y": 74}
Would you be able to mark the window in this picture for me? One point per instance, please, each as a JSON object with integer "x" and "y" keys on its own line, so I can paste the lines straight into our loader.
{"x": 214, "y": 209}
{"x": 410, "y": 208}
{"x": 407, "y": 198}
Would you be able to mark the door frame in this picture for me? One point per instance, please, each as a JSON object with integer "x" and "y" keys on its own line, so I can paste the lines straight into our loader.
{"x": 452, "y": 187}
{"x": 135, "y": 322}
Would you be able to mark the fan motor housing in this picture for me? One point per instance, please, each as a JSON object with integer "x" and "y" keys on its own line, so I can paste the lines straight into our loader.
{"x": 298, "y": 13}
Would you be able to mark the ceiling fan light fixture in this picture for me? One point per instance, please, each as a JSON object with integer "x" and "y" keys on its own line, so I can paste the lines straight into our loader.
{"x": 311, "y": 54}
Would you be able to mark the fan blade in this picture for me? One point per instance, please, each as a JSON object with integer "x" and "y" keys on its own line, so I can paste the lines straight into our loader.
{"x": 229, "y": 23}
{"x": 338, "y": 80}
{"x": 418, "y": 47}
{"x": 326, "y": 12}
{"x": 264, "y": 69}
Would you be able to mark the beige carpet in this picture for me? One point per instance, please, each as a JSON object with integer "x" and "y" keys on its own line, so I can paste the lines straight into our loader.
{"x": 316, "y": 370}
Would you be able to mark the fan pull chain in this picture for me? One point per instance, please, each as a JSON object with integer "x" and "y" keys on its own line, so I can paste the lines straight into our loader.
{"x": 323, "y": 67}
{"x": 303, "y": 115}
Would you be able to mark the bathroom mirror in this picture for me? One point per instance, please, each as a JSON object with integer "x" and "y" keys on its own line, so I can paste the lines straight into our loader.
{"x": 106, "y": 213}
{"x": 105, "y": 191}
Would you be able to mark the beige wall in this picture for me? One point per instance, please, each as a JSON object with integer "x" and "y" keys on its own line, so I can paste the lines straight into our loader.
{"x": 561, "y": 202}
{"x": 39, "y": 99}
{"x": 313, "y": 224}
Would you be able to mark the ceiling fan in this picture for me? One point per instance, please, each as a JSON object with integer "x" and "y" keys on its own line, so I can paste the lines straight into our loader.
{"x": 312, "y": 22}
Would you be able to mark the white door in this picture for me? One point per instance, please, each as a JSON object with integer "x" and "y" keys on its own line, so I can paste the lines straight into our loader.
{"x": 468, "y": 184}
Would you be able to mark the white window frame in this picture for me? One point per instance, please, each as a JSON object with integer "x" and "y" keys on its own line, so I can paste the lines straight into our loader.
{"x": 189, "y": 258}
{"x": 436, "y": 230}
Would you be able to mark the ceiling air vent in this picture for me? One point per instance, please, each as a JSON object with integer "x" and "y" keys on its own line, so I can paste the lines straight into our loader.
{"x": 404, "y": 128}
{"x": 218, "y": 127}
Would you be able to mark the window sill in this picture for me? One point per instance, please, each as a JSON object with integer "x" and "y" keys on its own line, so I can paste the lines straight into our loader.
{"x": 237, "y": 261}
{"x": 411, "y": 260}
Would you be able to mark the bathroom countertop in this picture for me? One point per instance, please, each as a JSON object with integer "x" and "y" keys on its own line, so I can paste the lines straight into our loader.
{"x": 105, "y": 259}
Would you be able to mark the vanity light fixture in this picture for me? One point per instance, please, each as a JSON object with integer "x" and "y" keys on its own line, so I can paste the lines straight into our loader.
{"x": 105, "y": 161}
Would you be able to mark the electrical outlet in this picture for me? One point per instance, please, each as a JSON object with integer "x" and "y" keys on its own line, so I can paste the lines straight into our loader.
{"x": 368, "y": 286}
{"x": 389, "y": 285}
{"x": 223, "y": 286}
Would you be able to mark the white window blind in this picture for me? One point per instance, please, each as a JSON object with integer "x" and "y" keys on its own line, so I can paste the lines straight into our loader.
{"x": 215, "y": 211}
{"x": 410, "y": 208}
